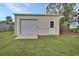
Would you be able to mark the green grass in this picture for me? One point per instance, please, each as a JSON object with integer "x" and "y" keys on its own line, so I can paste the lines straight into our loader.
{"x": 74, "y": 30}
{"x": 44, "y": 45}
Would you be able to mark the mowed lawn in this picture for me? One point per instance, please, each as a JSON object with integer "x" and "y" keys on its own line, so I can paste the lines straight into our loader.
{"x": 45, "y": 45}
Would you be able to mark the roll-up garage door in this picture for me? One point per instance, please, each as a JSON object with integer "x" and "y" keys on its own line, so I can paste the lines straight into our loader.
{"x": 28, "y": 27}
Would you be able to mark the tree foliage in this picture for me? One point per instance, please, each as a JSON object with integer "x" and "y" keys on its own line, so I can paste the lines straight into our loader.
{"x": 54, "y": 8}
{"x": 68, "y": 10}
{"x": 9, "y": 20}
{"x": 61, "y": 20}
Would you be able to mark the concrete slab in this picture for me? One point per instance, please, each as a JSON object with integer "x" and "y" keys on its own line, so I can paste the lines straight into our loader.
{"x": 27, "y": 37}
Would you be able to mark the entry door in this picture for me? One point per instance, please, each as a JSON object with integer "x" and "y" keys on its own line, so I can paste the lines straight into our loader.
{"x": 51, "y": 27}
{"x": 28, "y": 27}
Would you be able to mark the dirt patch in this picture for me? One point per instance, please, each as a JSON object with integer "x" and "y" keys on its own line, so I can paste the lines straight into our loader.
{"x": 64, "y": 31}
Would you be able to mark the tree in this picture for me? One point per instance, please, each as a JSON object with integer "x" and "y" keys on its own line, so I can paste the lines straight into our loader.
{"x": 9, "y": 21}
{"x": 74, "y": 16}
{"x": 54, "y": 8}
{"x": 8, "y": 18}
{"x": 68, "y": 10}
{"x": 61, "y": 20}
{"x": 78, "y": 21}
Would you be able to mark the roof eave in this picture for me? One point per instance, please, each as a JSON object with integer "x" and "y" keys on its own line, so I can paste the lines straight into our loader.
{"x": 36, "y": 14}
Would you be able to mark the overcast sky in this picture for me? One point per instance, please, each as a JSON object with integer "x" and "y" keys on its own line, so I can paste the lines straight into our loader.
{"x": 9, "y": 9}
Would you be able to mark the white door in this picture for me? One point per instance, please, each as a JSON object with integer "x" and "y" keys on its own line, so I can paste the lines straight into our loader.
{"x": 28, "y": 27}
{"x": 51, "y": 27}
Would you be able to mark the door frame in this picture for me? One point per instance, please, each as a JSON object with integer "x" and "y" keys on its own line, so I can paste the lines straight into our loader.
{"x": 51, "y": 30}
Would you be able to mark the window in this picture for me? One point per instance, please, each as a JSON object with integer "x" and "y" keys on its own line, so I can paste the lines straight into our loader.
{"x": 51, "y": 24}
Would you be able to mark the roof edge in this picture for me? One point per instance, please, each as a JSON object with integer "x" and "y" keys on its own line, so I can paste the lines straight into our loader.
{"x": 36, "y": 14}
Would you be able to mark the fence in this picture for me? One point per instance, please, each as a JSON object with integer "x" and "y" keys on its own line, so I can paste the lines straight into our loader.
{"x": 6, "y": 27}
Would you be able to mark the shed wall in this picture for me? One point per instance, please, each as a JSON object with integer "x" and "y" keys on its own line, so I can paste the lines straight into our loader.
{"x": 43, "y": 24}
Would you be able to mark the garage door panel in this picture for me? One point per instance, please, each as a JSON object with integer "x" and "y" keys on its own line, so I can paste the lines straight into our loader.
{"x": 28, "y": 27}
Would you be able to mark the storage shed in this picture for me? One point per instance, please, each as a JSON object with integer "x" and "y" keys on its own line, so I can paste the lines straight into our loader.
{"x": 30, "y": 26}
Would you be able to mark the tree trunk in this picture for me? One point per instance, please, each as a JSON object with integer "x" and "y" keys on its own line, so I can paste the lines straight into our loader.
{"x": 66, "y": 25}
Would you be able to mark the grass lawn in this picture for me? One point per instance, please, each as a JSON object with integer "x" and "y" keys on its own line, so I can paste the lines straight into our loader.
{"x": 74, "y": 30}
{"x": 46, "y": 45}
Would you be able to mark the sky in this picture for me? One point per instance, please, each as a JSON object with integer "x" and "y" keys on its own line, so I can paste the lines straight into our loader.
{"x": 7, "y": 9}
